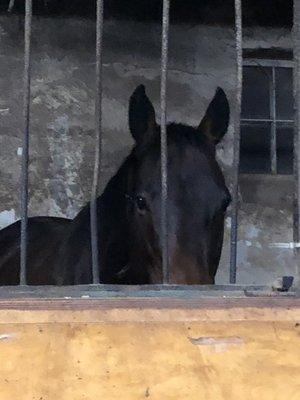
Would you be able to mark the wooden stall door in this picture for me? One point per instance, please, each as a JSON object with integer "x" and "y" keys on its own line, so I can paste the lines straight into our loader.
{"x": 150, "y": 348}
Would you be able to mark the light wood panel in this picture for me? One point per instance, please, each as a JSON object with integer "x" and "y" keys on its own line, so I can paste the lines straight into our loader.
{"x": 156, "y": 352}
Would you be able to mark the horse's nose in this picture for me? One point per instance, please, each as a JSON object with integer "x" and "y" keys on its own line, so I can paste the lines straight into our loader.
{"x": 183, "y": 267}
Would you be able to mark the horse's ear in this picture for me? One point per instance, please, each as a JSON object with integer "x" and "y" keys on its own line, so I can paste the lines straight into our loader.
{"x": 216, "y": 119}
{"x": 142, "y": 122}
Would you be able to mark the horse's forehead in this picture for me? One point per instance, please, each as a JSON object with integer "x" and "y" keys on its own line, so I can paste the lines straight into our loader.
{"x": 178, "y": 150}
{"x": 185, "y": 157}
{"x": 190, "y": 155}
{"x": 185, "y": 161}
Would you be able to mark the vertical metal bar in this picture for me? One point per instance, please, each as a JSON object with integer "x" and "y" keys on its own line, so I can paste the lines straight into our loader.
{"x": 296, "y": 90}
{"x": 25, "y": 153}
{"x": 11, "y": 5}
{"x": 273, "y": 124}
{"x": 164, "y": 149}
{"x": 236, "y": 141}
{"x": 98, "y": 152}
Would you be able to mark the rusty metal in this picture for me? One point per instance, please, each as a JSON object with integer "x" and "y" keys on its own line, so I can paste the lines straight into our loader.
{"x": 236, "y": 141}
{"x": 25, "y": 149}
{"x": 164, "y": 148}
{"x": 94, "y": 215}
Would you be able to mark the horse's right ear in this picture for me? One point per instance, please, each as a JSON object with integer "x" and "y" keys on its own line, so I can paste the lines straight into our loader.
{"x": 142, "y": 122}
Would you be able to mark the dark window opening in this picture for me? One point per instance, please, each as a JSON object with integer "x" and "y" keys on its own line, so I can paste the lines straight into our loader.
{"x": 267, "y": 118}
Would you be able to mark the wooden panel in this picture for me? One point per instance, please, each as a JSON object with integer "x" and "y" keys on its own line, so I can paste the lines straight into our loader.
{"x": 156, "y": 352}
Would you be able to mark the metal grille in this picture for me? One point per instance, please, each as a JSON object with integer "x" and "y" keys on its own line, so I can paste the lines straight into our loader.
{"x": 96, "y": 257}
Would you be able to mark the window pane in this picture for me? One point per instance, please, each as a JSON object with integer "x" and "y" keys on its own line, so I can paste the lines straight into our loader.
{"x": 255, "y": 149}
{"x": 256, "y": 92}
{"x": 284, "y": 93}
{"x": 284, "y": 144}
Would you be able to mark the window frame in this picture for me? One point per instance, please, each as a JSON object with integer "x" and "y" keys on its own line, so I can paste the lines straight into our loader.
{"x": 273, "y": 121}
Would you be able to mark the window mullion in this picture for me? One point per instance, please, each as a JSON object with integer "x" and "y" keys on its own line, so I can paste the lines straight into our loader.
{"x": 273, "y": 123}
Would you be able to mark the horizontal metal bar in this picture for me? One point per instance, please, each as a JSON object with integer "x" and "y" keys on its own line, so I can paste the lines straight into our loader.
{"x": 285, "y": 245}
{"x": 256, "y": 62}
{"x": 284, "y": 121}
{"x": 267, "y": 177}
{"x": 145, "y": 291}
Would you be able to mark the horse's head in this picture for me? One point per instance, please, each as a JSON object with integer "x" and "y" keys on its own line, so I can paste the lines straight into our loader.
{"x": 197, "y": 194}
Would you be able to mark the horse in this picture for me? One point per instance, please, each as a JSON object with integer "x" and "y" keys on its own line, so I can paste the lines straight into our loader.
{"x": 129, "y": 212}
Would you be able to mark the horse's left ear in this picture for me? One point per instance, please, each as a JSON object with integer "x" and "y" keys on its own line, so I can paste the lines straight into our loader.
{"x": 142, "y": 122}
{"x": 215, "y": 122}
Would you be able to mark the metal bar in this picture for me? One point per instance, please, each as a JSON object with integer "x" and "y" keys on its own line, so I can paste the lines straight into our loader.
{"x": 94, "y": 220}
{"x": 236, "y": 141}
{"x": 11, "y": 5}
{"x": 84, "y": 292}
{"x": 164, "y": 149}
{"x": 296, "y": 90}
{"x": 273, "y": 147}
{"x": 115, "y": 290}
{"x": 25, "y": 150}
{"x": 283, "y": 121}
{"x": 249, "y": 62}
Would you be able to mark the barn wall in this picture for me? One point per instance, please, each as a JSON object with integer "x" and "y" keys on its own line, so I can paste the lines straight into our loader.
{"x": 62, "y": 122}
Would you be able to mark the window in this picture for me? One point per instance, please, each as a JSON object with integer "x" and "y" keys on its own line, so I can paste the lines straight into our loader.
{"x": 267, "y": 117}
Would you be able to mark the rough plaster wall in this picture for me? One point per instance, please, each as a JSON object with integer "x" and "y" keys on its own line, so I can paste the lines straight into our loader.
{"x": 62, "y": 117}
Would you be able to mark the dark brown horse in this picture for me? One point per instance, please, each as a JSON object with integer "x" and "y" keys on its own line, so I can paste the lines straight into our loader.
{"x": 59, "y": 251}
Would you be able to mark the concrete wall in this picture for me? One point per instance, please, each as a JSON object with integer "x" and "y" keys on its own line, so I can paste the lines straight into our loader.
{"x": 62, "y": 119}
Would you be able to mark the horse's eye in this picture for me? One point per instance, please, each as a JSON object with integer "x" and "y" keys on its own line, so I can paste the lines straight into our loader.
{"x": 141, "y": 203}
